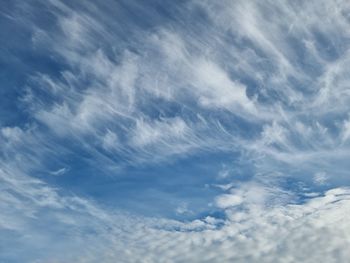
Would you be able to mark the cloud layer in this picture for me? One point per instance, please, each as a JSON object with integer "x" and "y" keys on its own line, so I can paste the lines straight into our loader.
{"x": 227, "y": 121}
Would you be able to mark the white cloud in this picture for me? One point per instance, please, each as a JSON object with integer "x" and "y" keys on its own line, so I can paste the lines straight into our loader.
{"x": 311, "y": 232}
{"x": 307, "y": 233}
{"x": 60, "y": 171}
{"x": 12, "y": 134}
{"x": 227, "y": 200}
{"x": 110, "y": 140}
{"x": 215, "y": 89}
{"x": 267, "y": 80}
{"x": 167, "y": 129}
{"x": 320, "y": 178}
{"x": 263, "y": 228}
{"x": 345, "y": 133}
{"x": 274, "y": 134}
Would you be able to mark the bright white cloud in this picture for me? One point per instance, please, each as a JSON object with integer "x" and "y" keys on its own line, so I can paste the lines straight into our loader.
{"x": 267, "y": 81}
{"x": 257, "y": 230}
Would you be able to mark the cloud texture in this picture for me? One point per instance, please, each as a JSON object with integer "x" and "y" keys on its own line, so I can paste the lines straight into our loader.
{"x": 187, "y": 131}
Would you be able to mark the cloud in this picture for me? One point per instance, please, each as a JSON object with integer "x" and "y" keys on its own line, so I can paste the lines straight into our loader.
{"x": 225, "y": 201}
{"x": 60, "y": 171}
{"x": 112, "y": 86}
{"x": 308, "y": 232}
{"x": 217, "y": 90}
{"x": 320, "y": 178}
{"x": 256, "y": 229}
{"x": 345, "y": 133}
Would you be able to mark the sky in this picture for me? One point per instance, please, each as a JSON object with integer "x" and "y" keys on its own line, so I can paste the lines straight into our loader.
{"x": 174, "y": 131}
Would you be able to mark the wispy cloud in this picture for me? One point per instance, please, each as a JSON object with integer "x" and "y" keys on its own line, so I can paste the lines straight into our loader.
{"x": 113, "y": 88}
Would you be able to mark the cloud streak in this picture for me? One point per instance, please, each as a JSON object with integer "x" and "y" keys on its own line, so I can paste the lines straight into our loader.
{"x": 124, "y": 91}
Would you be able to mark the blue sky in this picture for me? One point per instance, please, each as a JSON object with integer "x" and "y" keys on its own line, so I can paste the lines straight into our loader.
{"x": 174, "y": 131}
